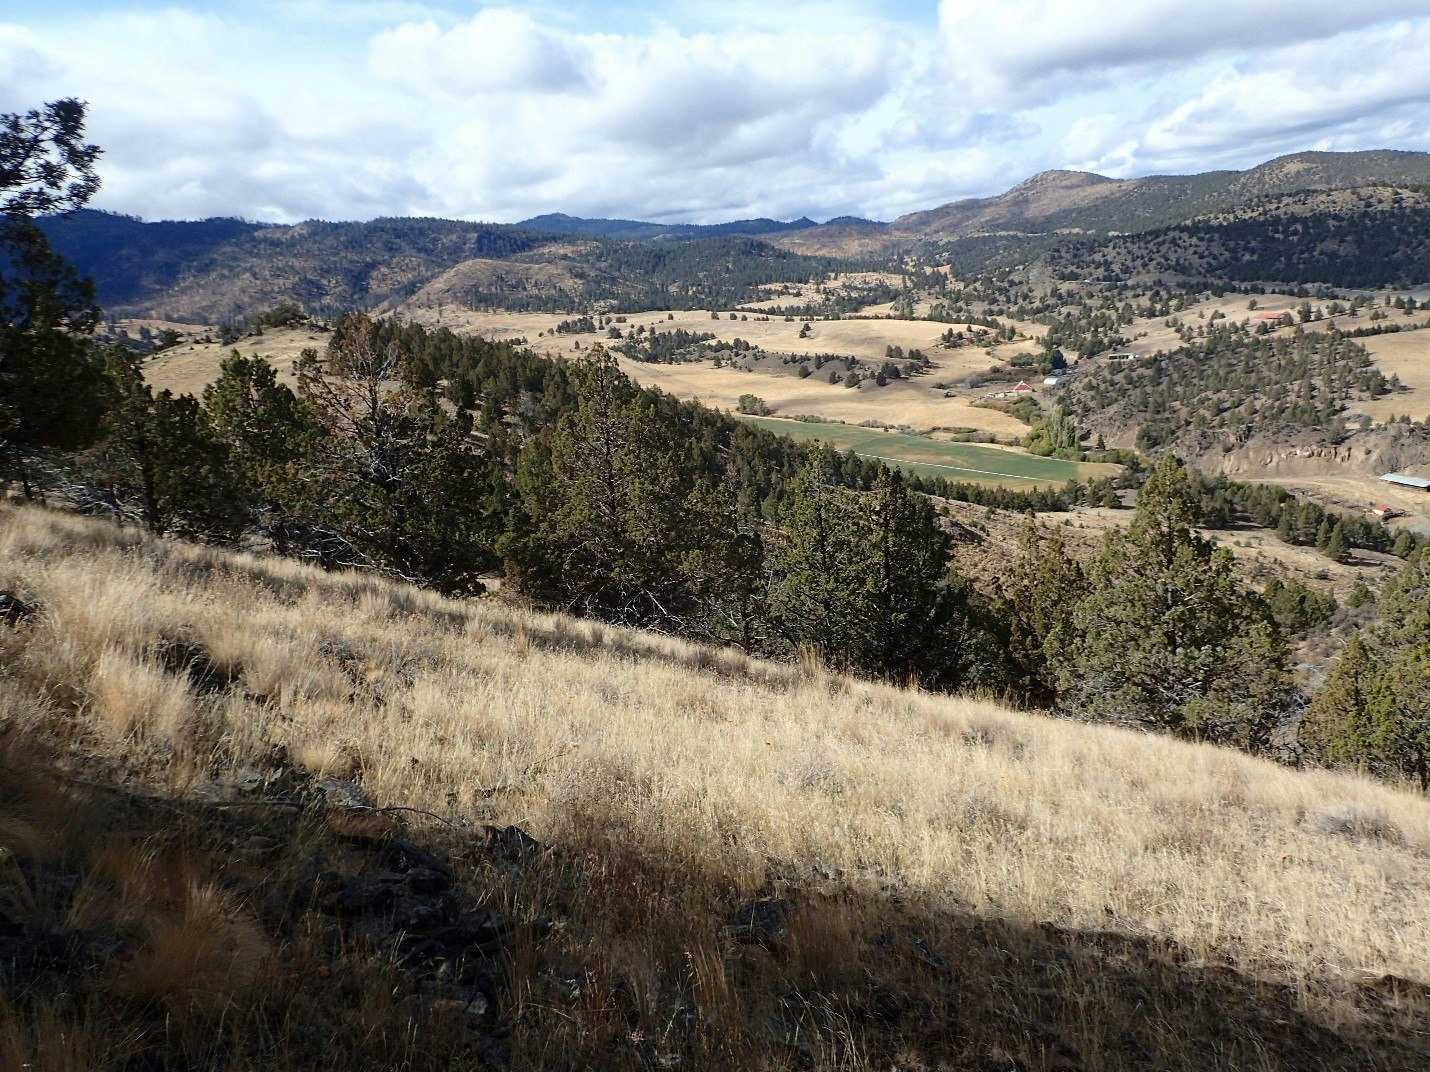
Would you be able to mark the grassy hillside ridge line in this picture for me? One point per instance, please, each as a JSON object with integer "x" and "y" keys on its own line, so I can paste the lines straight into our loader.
{"x": 911, "y": 453}
{"x": 486, "y": 693}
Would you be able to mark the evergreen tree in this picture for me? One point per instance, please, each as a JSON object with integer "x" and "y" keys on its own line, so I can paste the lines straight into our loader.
{"x": 1336, "y": 548}
{"x": 1166, "y": 637}
{"x": 51, "y": 380}
{"x": 257, "y": 418}
{"x": 160, "y": 461}
{"x": 605, "y": 524}
{"x": 862, "y": 578}
{"x": 1038, "y": 592}
{"x": 390, "y": 481}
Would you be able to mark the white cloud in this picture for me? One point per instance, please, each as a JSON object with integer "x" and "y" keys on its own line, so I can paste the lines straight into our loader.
{"x": 1315, "y": 90}
{"x": 714, "y": 112}
{"x": 498, "y": 50}
{"x": 1023, "y": 51}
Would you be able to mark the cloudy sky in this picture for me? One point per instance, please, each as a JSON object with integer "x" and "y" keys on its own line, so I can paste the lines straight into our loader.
{"x": 697, "y": 111}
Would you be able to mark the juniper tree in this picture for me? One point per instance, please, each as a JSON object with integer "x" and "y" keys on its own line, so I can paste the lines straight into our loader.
{"x": 159, "y": 461}
{"x": 602, "y": 525}
{"x": 51, "y": 379}
{"x": 1373, "y": 710}
{"x": 1166, "y": 637}
{"x": 862, "y": 578}
{"x": 257, "y": 418}
{"x": 390, "y": 481}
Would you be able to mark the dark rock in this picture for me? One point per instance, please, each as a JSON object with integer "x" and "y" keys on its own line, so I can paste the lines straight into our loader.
{"x": 420, "y": 952}
{"x": 357, "y": 900}
{"x": 182, "y": 657}
{"x": 424, "y": 918}
{"x": 428, "y": 880}
{"x": 512, "y": 842}
{"x": 764, "y": 922}
{"x": 14, "y": 610}
{"x": 493, "y": 1051}
{"x": 340, "y": 793}
{"x": 401, "y": 855}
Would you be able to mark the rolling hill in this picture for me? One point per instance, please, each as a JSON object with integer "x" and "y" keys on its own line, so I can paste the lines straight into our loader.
{"x": 560, "y": 223}
{"x": 1367, "y": 237}
{"x": 215, "y": 271}
{"x": 1055, "y": 202}
{"x": 218, "y": 270}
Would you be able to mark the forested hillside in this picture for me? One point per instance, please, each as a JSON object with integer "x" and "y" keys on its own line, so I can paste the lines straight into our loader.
{"x": 1059, "y": 202}
{"x": 1367, "y": 238}
{"x": 219, "y": 271}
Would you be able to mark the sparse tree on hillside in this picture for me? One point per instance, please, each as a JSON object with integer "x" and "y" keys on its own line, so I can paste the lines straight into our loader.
{"x": 1373, "y": 710}
{"x": 390, "y": 480}
{"x": 51, "y": 381}
{"x": 1166, "y": 637}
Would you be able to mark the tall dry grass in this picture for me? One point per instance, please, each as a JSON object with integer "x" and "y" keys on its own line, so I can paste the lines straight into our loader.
{"x": 652, "y": 758}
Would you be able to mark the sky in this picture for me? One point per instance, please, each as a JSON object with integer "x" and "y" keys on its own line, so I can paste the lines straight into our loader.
{"x": 688, "y": 111}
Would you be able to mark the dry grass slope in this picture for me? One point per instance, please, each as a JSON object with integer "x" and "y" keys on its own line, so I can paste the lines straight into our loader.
{"x": 971, "y": 887}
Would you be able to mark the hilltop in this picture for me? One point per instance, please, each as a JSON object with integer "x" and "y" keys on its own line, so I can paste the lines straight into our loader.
{"x": 1063, "y": 202}
{"x": 653, "y": 854}
{"x": 219, "y": 270}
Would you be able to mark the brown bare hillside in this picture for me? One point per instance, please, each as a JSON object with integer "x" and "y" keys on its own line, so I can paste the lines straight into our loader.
{"x": 628, "y": 853}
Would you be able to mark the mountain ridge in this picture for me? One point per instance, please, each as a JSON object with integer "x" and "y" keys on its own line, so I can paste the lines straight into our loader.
{"x": 222, "y": 268}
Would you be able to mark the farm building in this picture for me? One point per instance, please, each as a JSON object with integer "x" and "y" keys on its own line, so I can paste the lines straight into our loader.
{"x": 1405, "y": 480}
{"x": 1022, "y": 390}
{"x": 1384, "y": 512}
{"x": 1268, "y": 315}
{"x": 1121, "y": 355}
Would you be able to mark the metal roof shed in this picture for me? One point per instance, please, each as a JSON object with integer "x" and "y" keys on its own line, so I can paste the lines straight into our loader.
{"x": 1407, "y": 481}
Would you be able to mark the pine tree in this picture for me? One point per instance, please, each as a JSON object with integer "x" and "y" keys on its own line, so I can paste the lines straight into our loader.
{"x": 51, "y": 378}
{"x": 1336, "y": 548}
{"x": 1323, "y": 534}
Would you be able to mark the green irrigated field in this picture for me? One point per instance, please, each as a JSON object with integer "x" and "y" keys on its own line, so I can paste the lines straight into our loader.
{"x": 960, "y": 462}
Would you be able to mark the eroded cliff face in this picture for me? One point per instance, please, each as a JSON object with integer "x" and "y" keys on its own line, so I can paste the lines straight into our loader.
{"x": 1290, "y": 452}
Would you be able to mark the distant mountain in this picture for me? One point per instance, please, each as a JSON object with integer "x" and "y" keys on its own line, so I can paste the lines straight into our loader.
{"x": 214, "y": 271}
{"x": 1063, "y": 202}
{"x": 128, "y": 258}
{"x": 560, "y": 223}
{"x": 1368, "y": 237}
{"x": 221, "y": 269}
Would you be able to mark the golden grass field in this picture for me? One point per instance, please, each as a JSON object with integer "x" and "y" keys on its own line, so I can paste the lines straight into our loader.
{"x": 1407, "y": 355}
{"x": 976, "y": 885}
